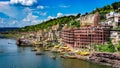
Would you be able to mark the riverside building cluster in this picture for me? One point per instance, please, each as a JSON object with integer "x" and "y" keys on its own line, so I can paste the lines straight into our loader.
{"x": 90, "y": 32}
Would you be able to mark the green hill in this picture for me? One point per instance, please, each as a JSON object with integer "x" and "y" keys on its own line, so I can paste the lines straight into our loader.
{"x": 71, "y": 19}
{"x": 48, "y": 24}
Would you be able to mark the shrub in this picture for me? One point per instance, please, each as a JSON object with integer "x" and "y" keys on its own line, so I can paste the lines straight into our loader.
{"x": 107, "y": 47}
{"x": 118, "y": 47}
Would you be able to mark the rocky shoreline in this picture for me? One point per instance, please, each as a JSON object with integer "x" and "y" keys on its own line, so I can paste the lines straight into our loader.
{"x": 24, "y": 42}
{"x": 104, "y": 58}
{"x": 109, "y": 59}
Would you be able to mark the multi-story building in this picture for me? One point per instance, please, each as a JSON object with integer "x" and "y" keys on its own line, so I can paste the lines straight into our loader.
{"x": 86, "y": 35}
{"x": 81, "y": 37}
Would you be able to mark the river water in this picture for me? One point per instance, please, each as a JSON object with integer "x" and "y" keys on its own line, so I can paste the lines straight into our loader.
{"x": 12, "y": 56}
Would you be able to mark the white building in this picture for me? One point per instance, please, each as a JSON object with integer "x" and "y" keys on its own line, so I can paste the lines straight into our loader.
{"x": 115, "y": 37}
{"x": 113, "y": 19}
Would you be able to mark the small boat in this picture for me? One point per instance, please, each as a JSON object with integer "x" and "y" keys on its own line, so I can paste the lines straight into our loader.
{"x": 62, "y": 53}
{"x": 85, "y": 53}
{"x": 39, "y": 53}
{"x": 46, "y": 49}
{"x": 54, "y": 51}
{"x": 34, "y": 49}
{"x": 56, "y": 46}
{"x": 69, "y": 56}
{"x": 53, "y": 57}
{"x": 72, "y": 57}
{"x": 9, "y": 43}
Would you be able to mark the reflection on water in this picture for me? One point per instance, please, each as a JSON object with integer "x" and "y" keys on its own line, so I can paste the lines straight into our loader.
{"x": 75, "y": 63}
{"x": 12, "y": 56}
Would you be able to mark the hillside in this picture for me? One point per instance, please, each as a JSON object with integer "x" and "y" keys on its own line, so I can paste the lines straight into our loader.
{"x": 48, "y": 24}
{"x": 71, "y": 19}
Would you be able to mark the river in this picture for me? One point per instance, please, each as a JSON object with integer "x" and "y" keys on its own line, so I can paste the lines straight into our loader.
{"x": 12, "y": 56}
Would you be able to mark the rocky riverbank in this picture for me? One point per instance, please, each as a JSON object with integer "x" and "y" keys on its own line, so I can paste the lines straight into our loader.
{"x": 110, "y": 59}
{"x": 24, "y": 42}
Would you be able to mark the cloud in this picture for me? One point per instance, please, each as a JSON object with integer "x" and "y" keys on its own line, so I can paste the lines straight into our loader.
{"x": 30, "y": 17}
{"x": 4, "y": 3}
{"x": 64, "y": 6}
{"x": 24, "y": 2}
{"x": 1, "y": 20}
{"x": 43, "y": 13}
{"x": 27, "y": 10}
{"x": 40, "y": 13}
{"x": 59, "y": 14}
{"x": 6, "y": 9}
{"x": 51, "y": 17}
{"x": 40, "y": 7}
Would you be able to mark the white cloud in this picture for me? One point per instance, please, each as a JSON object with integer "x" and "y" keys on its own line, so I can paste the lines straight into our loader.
{"x": 4, "y": 3}
{"x": 30, "y": 17}
{"x": 64, "y": 6}
{"x": 6, "y": 9}
{"x": 40, "y": 7}
{"x": 14, "y": 22}
{"x": 70, "y": 14}
{"x": 41, "y": 13}
{"x": 24, "y": 2}
{"x": 36, "y": 22}
{"x": 27, "y": 10}
{"x": 59, "y": 14}
{"x": 1, "y": 20}
{"x": 51, "y": 17}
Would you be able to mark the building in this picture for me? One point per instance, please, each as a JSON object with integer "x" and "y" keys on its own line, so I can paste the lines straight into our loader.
{"x": 115, "y": 37}
{"x": 86, "y": 35}
{"x": 113, "y": 19}
{"x": 90, "y": 20}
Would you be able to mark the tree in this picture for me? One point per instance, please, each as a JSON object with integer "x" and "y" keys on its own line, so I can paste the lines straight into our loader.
{"x": 116, "y": 5}
{"x": 97, "y": 9}
{"x": 86, "y": 13}
{"x": 78, "y": 15}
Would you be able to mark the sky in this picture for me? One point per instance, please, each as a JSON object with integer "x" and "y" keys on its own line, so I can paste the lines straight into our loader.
{"x": 20, "y": 13}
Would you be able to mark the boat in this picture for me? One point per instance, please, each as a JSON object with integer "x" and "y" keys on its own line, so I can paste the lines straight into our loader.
{"x": 68, "y": 57}
{"x": 56, "y": 46}
{"x": 9, "y": 43}
{"x": 54, "y": 51}
{"x": 46, "y": 49}
{"x": 34, "y": 49}
{"x": 53, "y": 57}
{"x": 39, "y": 53}
{"x": 62, "y": 53}
{"x": 85, "y": 53}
